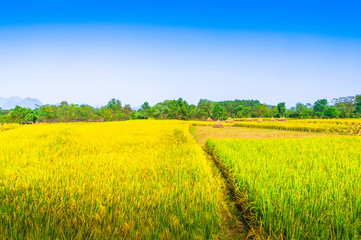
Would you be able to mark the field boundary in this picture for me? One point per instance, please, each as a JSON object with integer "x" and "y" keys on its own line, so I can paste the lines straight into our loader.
{"x": 233, "y": 207}
{"x": 255, "y": 231}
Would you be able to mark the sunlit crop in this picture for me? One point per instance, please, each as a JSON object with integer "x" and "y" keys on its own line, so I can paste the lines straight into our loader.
{"x": 135, "y": 180}
{"x": 304, "y": 188}
{"x": 300, "y": 125}
{"x": 328, "y": 126}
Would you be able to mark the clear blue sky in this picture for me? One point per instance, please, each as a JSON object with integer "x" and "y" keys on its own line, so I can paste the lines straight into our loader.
{"x": 91, "y": 51}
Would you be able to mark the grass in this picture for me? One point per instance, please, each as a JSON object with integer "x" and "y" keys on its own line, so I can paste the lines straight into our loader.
{"x": 132, "y": 180}
{"x": 296, "y": 188}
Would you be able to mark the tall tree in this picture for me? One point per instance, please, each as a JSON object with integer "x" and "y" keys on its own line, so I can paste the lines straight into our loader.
{"x": 260, "y": 110}
{"x": 331, "y": 112}
{"x": 319, "y": 107}
{"x": 22, "y": 115}
{"x": 115, "y": 108}
{"x": 219, "y": 112}
{"x": 346, "y": 106}
{"x": 281, "y": 109}
{"x": 304, "y": 111}
{"x": 204, "y": 109}
{"x": 358, "y": 105}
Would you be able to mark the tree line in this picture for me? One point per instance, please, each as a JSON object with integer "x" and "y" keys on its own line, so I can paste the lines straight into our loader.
{"x": 343, "y": 107}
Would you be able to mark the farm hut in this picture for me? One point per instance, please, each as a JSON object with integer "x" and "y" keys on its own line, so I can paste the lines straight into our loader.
{"x": 260, "y": 120}
{"x": 249, "y": 119}
{"x": 218, "y": 124}
{"x": 209, "y": 119}
{"x": 350, "y": 131}
{"x": 359, "y": 132}
{"x": 272, "y": 119}
{"x": 229, "y": 120}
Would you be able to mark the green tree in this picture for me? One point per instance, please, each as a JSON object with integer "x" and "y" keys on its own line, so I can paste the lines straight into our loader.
{"x": 281, "y": 109}
{"x": 292, "y": 113}
{"x": 273, "y": 111}
{"x": 127, "y": 112}
{"x": 87, "y": 113}
{"x": 239, "y": 109}
{"x": 358, "y": 105}
{"x": 173, "y": 109}
{"x": 22, "y": 115}
{"x": 47, "y": 113}
{"x": 204, "y": 109}
{"x": 106, "y": 114}
{"x": 346, "y": 106}
{"x": 245, "y": 112}
{"x": 331, "y": 112}
{"x": 260, "y": 110}
{"x": 219, "y": 112}
{"x": 179, "y": 109}
{"x": 319, "y": 107}
{"x": 304, "y": 111}
{"x": 114, "y": 106}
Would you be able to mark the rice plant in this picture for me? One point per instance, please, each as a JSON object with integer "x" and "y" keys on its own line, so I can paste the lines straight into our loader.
{"x": 304, "y": 188}
{"x": 119, "y": 180}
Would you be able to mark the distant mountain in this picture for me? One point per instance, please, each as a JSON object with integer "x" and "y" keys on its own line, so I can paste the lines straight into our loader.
{"x": 11, "y": 102}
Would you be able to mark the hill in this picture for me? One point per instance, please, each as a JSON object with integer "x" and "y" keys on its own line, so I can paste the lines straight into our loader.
{"x": 11, "y": 102}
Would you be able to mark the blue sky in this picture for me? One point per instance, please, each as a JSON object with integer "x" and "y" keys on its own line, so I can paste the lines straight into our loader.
{"x": 91, "y": 51}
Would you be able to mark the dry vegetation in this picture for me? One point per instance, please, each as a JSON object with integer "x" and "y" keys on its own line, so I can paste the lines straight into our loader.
{"x": 229, "y": 132}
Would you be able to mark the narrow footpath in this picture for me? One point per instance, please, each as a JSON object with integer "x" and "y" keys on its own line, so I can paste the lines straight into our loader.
{"x": 233, "y": 224}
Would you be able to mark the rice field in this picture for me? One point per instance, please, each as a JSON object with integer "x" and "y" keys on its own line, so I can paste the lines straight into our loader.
{"x": 203, "y": 133}
{"x": 344, "y": 126}
{"x": 119, "y": 180}
{"x": 150, "y": 179}
{"x": 306, "y": 126}
{"x": 296, "y": 188}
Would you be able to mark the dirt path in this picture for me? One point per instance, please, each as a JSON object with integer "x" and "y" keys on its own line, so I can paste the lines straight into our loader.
{"x": 233, "y": 225}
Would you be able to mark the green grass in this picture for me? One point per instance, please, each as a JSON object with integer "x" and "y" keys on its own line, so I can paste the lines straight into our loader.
{"x": 305, "y": 188}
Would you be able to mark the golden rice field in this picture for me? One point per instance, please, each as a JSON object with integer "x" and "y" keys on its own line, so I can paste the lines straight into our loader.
{"x": 301, "y": 125}
{"x": 296, "y": 188}
{"x": 119, "y": 180}
{"x": 6, "y": 127}
{"x": 150, "y": 179}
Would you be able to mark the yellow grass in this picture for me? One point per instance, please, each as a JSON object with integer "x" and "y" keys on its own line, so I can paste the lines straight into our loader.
{"x": 310, "y": 125}
{"x": 134, "y": 179}
{"x": 205, "y": 132}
